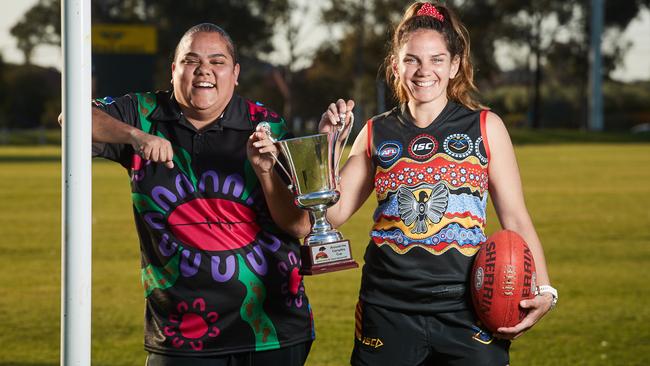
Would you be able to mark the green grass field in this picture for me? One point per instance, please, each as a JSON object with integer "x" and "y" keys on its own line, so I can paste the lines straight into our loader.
{"x": 590, "y": 203}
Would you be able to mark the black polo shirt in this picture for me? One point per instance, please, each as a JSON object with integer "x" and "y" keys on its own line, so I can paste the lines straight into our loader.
{"x": 219, "y": 276}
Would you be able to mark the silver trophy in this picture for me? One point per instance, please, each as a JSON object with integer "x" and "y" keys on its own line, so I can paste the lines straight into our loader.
{"x": 313, "y": 165}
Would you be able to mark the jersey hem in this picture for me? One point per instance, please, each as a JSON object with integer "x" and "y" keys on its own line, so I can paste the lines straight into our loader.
{"x": 429, "y": 308}
{"x": 168, "y": 352}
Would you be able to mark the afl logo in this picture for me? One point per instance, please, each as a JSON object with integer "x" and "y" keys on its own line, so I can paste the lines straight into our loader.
{"x": 389, "y": 151}
{"x": 423, "y": 146}
{"x": 478, "y": 278}
{"x": 458, "y": 145}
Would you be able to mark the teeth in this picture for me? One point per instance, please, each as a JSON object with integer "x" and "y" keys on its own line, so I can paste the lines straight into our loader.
{"x": 423, "y": 84}
{"x": 204, "y": 84}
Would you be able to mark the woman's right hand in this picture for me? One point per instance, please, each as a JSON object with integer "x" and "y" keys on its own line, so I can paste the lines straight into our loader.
{"x": 261, "y": 150}
{"x": 151, "y": 147}
{"x": 335, "y": 113}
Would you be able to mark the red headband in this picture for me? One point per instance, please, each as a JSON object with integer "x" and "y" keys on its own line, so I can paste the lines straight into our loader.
{"x": 429, "y": 10}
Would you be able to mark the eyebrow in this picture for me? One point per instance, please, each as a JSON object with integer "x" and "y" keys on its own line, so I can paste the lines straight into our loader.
{"x": 213, "y": 55}
{"x": 436, "y": 55}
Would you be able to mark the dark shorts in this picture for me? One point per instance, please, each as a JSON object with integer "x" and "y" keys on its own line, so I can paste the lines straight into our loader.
{"x": 386, "y": 337}
{"x": 287, "y": 356}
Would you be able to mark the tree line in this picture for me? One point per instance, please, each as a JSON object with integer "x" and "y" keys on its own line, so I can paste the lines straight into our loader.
{"x": 545, "y": 41}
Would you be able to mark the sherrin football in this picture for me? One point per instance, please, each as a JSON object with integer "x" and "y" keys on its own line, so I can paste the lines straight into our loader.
{"x": 503, "y": 274}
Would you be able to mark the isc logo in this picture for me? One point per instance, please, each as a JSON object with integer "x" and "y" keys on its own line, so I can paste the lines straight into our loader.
{"x": 372, "y": 342}
{"x": 423, "y": 146}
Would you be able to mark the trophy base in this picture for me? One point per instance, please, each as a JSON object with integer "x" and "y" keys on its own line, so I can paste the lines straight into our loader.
{"x": 327, "y": 257}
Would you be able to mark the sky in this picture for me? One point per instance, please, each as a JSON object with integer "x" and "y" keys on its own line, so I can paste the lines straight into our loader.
{"x": 636, "y": 65}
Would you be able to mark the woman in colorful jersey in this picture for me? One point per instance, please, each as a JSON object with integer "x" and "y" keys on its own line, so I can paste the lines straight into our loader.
{"x": 219, "y": 267}
{"x": 431, "y": 162}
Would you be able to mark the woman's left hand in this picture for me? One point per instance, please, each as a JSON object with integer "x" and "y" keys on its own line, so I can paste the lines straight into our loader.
{"x": 537, "y": 306}
{"x": 259, "y": 149}
{"x": 336, "y": 114}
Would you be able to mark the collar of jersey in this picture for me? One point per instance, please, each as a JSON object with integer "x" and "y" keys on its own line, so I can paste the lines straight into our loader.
{"x": 235, "y": 116}
{"x": 404, "y": 116}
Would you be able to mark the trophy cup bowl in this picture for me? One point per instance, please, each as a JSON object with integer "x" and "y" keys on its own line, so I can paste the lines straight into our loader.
{"x": 312, "y": 166}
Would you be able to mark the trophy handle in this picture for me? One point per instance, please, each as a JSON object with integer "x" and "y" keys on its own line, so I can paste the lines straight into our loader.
{"x": 266, "y": 127}
{"x": 339, "y": 130}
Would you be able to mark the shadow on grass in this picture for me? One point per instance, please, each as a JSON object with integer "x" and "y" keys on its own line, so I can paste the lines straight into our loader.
{"x": 14, "y": 363}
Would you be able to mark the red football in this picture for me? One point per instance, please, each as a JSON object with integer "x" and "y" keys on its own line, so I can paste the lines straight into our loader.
{"x": 502, "y": 276}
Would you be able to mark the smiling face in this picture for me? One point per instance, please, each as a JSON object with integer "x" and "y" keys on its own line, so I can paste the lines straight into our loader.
{"x": 204, "y": 75}
{"x": 423, "y": 67}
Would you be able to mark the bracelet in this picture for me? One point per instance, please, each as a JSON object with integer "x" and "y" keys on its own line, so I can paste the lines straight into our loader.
{"x": 547, "y": 289}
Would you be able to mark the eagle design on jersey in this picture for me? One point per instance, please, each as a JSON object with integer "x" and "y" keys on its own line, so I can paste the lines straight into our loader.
{"x": 427, "y": 206}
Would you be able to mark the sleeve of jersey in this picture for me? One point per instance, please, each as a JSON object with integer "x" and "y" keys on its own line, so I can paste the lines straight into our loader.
{"x": 124, "y": 109}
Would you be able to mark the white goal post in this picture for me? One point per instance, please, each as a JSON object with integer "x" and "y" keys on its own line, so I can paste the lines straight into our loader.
{"x": 76, "y": 230}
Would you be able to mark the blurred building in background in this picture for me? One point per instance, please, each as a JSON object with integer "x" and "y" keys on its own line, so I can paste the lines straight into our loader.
{"x": 124, "y": 58}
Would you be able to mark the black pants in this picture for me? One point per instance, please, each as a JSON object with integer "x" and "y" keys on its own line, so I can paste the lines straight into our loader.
{"x": 392, "y": 338}
{"x": 287, "y": 356}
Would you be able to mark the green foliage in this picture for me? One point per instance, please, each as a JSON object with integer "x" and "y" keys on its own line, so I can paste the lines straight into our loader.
{"x": 249, "y": 23}
{"x": 589, "y": 203}
{"x": 626, "y": 105}
{"x": 352, "y": 67}
{"x": 562, "y": 49}
{"x": 4, "y": 93}
{"x": 34, "y": 99}
{"x": 510, "y": 102}
{"x": 30, "y": 137}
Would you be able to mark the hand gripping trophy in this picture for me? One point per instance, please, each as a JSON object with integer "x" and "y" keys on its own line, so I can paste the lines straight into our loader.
{"x": 313, "y": 169}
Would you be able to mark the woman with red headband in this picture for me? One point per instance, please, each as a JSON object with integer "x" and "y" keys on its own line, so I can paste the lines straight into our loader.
{"x": 431, "y": 162}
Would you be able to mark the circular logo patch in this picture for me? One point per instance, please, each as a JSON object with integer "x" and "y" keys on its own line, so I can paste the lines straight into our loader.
{"x": 423, "y": 146}
{"x": 389, "y": 151}
{"x": 480, "y": 150}
{"x": 458, "y": 145}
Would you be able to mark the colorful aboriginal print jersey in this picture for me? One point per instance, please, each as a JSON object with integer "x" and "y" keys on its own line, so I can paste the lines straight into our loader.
{"x": 219, "y": 277}
{"x": 431, "y": 187}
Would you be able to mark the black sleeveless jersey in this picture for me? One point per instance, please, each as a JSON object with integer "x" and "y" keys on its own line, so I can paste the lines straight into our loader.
{"x": 431, "y": 188}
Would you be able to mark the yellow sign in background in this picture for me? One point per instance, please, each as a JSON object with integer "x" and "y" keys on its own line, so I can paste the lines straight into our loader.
{"x": 121, "y": 38}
